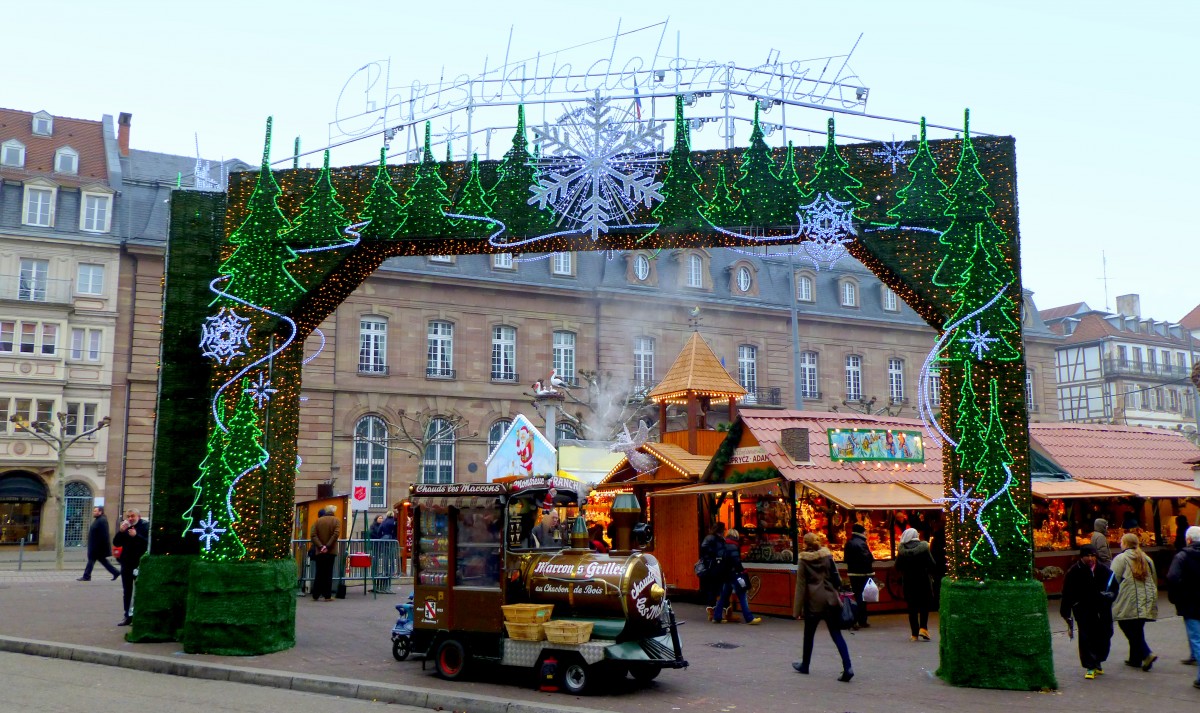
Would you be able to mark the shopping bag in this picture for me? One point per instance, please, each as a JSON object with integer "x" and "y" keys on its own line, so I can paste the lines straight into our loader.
{"x": 847, "y": 617}
{"x": 870, "y": 591}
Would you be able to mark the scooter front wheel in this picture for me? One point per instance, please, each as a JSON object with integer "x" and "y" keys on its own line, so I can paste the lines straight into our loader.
{"x": 401, "y": 647}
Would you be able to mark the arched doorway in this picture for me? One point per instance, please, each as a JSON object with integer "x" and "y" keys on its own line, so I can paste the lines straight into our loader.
{"x": 22, "y": 495}
{"x": 78, "y": 503}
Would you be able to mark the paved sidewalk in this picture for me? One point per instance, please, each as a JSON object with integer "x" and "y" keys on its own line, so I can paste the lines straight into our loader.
{"x": 344, "y": 648}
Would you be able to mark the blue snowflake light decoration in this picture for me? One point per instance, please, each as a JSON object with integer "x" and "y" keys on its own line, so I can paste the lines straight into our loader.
{"x": 208, "y": 531}
{"x": 960, "y": 499}
{"x": 893, "y": 152}
{"x": 261, "y": 390}
{"x": 223, "y": 335}
{"x": 829, "y": 227}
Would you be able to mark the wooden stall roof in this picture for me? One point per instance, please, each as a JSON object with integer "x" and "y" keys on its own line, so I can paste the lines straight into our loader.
{"x": 875, "y": 496}
{"x": 675, "y": 465}
{"x": 1152, "y": 488}
{"x": 1096, "y": 453}
{"x": 1067, "y": 488}
{"x": 713, "y": 488}
{"x": 697, "y": 369}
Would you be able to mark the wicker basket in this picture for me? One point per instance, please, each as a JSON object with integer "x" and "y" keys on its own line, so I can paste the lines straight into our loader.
{"x": 568, "y": 632}
{"x": 527, "y": 613}
{"x": 522, "y": 631}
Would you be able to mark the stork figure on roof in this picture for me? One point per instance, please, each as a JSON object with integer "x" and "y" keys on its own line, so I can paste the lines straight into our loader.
{"x": 557, "y": 382}
{"x": 541, "y": 391}
{"x": 629, "y": 445}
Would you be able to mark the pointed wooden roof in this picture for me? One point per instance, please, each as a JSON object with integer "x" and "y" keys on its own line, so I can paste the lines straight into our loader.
{"x": 696, "y": 371}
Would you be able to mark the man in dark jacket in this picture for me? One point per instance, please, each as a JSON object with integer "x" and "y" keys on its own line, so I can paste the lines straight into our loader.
{"x": 735, "y": 580}
{"x": 1087, "y": 598}
{"x": 133, "y": 538}
{"x": 712, "y": 578}
{"x": 1183, "y": 589}
{"x": 860, "y": 565}
{"x": 98, "y": 547}
{"x": 388, "y": 530}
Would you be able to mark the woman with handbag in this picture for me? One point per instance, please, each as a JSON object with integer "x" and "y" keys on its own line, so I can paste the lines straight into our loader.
{"x": 1137, "y": 599}
{"x": 736, "y": 582}
{"x": 817, "y": 585}
{"x": 1087, "y": 607}
{"x": 915, "y": 563}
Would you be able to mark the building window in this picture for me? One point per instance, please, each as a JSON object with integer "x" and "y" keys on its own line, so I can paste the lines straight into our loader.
{"x": 502, "y": 261}
{"x": 1151, "y": 361}
{"x": 12, "y": 153}
{"x": 564, "y": 356}
{"x": 95, "y": 215}
{"x": 438, "y": 464}
{"x": 504, "y": 353}
{"x": 28, "y": 333}
{"x": 37, "y": 413}
{"x": 28, "y": 337}
{"x": 935, "y": 387}
{"x": 90, "y": 280}
{"x": 439, "y": 359}
{"x": 39, "y": 206}
{"x": 564, "y": 431}
{"x": 849, "y": 293}
{"x": 33, "y": 280}
{"x": 1122, "y": 355}
{"x": 496, "y": 433}
{"x": 1137, "y": 357}
{"x": 1030, "y": 402}
{"x": 748, "y": 367}
{"x": 1173, "y": 400}
{"x": 81, "y": 417}
{"x": 744, "y": 279}
{"x": 808, "y": 375}
{"x": 43, "y": 124}
{"x": 370, "y": 457}
{"x": 66, "y": 160}
{"x": 890, "y": 302}
{"x": 560, "y": 264}
{"x": 85, "y": 343}
{"x": 49, "y": 339}
{"x": 1144, "y": 396}
{"x": 1181, "y": 361}
{"x": 896, "y": 380}
{"x": 1166, "y": 362}
{"x": 1159, "y": 402}
{"x": 441, "y": 258}
{"x": 804, "y": 288}
{"x": 853, "y": 378}
{"x": 641, "y": 267}
{"x": 643, "y": 362}
{"x": 372, "y": 345}
{"x": 695, "y": 271}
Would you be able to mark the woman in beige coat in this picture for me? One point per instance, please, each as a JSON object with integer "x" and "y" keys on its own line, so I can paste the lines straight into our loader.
{"x": 1137, "y": 599}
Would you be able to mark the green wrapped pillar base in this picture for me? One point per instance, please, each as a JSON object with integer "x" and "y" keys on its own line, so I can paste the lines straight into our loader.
{"x": 995, "y": 635}
{"x": 241, "y": 608}
{"x": 160, "y": 598}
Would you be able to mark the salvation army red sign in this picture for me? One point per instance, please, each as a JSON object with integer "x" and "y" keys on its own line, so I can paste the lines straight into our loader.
{"x": 358, "y": 498}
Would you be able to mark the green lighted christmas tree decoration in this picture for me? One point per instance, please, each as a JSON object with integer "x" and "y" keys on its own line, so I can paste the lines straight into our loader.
{"x": 833, "y": 177}
{"x": 923, "y": 201}
{"x": 722, "y": 210}
{"x": 988, "y": 334}
{"x": 425, "y": 202}
{"x": 792, "y": 185}
{"x": 473, "y": 201}
{"x": 972, "y": 223}
{"x": 1003, "y": 547}
{"x": 765, "y": 197}
{"x": 970, "y": 447}
{"x": 509, "y": 197}
{"x": 682, "y": 207}
{"x": 322, "y": 218}
{"x": 258, "y": 267}
{"x": 382, "y": 204}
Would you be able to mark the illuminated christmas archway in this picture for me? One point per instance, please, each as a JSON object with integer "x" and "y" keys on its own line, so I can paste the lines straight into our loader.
{"x": 261, "y": 267}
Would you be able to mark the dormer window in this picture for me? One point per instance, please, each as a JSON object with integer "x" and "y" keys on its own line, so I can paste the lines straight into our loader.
{"x": 12, "y": 153}
{"x": 43, "y": 124}
{"x": 66, "y": 160}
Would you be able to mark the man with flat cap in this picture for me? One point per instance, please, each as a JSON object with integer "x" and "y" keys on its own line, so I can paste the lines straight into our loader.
{"x": 1087, "y": 597}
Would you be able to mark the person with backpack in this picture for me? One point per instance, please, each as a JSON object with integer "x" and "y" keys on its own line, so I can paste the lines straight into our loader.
{"x": 735, "y": 581}
{"x": 710, "y": 578}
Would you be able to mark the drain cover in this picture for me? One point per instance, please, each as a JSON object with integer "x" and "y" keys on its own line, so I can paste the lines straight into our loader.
{"x": 725, "y": 645}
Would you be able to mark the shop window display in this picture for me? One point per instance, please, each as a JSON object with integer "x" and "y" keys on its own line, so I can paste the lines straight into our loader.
{"x": 1052, "y": 526}
{"x": 478, "y": 549}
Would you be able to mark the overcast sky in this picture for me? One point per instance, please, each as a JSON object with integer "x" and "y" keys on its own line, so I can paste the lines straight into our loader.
{"x": 1101, "y": 96}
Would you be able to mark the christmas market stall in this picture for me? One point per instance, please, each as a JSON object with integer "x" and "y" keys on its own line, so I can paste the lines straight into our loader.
{"x": 781, "y": 474}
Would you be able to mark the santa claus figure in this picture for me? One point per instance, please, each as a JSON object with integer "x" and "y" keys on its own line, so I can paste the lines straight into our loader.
{"x": 525, "y": 451}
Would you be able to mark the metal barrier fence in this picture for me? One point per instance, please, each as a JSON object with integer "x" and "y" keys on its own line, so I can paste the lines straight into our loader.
{"x": 379, "y": 575}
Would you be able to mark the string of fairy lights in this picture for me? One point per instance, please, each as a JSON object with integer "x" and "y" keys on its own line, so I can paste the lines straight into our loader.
{"x": 948, "y": 250}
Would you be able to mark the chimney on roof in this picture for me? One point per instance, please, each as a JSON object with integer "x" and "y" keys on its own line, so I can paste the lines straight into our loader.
{"x": 123, "y": 132}
{"x": 1129, "y": 306}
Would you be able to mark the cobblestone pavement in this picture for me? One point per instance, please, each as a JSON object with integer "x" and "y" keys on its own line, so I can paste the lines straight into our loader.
{"x": 733, "y": 667}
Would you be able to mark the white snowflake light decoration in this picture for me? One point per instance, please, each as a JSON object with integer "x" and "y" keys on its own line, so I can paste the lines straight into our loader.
{"x": 224, "y": 335}
{"x": 261, "y": 390}
{"x": 829, "y": 227}
{"x": 594, "y": 170}
{"x": 980, "y": 340}
{"x": 960, "y": 500}
{"x": 893, "y": 152}
{"x": 208, "y": 531}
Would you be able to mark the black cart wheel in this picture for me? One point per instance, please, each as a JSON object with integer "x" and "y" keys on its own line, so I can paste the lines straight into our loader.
{"x": 645, "y": 674}
{"x": 451, "y": 660}
{"x": 401, "y": 647}
{"x": 576, "y": 676}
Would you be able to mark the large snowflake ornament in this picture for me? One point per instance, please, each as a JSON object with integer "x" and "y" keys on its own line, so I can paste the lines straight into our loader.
{"x": 960, "y": 500}
{"x": 208, "y": 531}
{"x": 829, "y": 227}
{"x": 261, "y": 390}
{"x": 596, "y": 167}
{"x": 224, "y": 334}
{"x": 980, "y": 340}
{"x": 893, "y": 152}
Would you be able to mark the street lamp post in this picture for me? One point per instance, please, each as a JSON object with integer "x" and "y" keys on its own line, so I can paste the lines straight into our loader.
{"x": 798, "y": 399}
{"x": 59, "y": 442}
